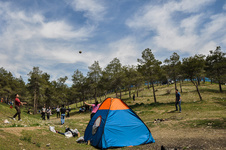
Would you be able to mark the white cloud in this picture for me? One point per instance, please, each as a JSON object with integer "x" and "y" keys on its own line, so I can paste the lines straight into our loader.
{"x": 94, "y": 10}
{"x": 175, "y": 34}
{"x": 125, "y": 50}
{"x": 30, "y": 39}
{"x": 224, "y": 7}
{"x": 61, "y": 30}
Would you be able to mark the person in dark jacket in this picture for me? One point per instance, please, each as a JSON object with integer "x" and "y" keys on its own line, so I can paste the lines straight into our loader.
{"x": 62, "y": 111}
{"x": 178, "y": 100}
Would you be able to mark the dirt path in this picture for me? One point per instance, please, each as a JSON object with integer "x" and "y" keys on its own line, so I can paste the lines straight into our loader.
{"x": 17, "y": 130}
{"x": 189, "y": 139}
{"x": 180, "y": 139}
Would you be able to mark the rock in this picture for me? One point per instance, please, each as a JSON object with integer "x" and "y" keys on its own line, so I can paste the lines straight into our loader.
{"x": 6, "y": 121}
{"x": 20, "y": 144}
{"x": 48, "y": 144}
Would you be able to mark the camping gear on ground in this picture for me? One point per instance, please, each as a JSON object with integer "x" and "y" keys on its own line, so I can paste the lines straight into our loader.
{"x": 116, "y": 125}
{"x": 52, "y": 129}
{"x": 68, "y": 132}
{"x": 80, "y": 140}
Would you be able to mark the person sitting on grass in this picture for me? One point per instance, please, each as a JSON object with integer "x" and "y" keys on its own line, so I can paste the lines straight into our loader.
{"x": 70, "y": 133}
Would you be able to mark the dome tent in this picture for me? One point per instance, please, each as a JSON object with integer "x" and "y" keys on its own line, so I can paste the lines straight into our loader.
{"x": 116, "y": 125}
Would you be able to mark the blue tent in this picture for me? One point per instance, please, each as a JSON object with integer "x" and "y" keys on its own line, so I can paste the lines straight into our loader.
{"x": 116, "y": 125}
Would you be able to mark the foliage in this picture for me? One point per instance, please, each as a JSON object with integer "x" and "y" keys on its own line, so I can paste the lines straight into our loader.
{"x": 150, "y": 68}
{"x": 216, "y": 66}
{"x": 173, "y": 67}
{"x": 193, "y": 68}
{"x": 114, "y": 78}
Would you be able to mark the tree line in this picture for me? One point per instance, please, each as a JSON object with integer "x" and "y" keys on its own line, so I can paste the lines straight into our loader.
{"x": 115, "y": 77}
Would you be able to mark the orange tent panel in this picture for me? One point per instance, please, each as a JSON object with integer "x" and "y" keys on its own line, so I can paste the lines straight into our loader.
{"x": 113, "y": 104}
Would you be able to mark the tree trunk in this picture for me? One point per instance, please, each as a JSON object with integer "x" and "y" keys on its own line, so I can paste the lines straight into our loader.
{"x": 116, "y": 93}
{"x": 175, "y": 83}
{"x": 120, "y": 93}
{"x": 180, "y": 87}
{"x": 153, "y": 91}
{"x": 199, "y": 93}
{"x": 129, "y": 92}
{"x": 220, "y": 86}
{"x": 198, "y": 79}
{"x": 35, "y": 102}
{"x": 137, "y": 92}
{"x": 95, "y": 94}
{"x": 196, "y": 85}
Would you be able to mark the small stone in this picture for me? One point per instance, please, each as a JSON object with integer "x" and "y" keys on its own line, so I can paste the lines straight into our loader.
{"x": 20, "y": 144}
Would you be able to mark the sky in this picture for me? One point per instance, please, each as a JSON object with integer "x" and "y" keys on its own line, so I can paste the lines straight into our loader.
{"x": 50, "y": 33}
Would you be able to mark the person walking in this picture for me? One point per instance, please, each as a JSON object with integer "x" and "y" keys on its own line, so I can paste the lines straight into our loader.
{"x": 48, "y": 112}
{"x": 178, "y": 101}
{"x": 95, "y": 107}
{"x": 62, "y": 111}
{"x": 17, "y": 107}
{"x": 58, "y": 111}
{"x": 44, "y": 112}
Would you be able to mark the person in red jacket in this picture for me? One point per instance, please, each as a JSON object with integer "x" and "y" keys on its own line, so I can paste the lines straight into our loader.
{"x": 17, "y": 107}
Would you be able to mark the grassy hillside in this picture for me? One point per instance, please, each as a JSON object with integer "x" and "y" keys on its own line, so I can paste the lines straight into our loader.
{"x": 201, "y": 125}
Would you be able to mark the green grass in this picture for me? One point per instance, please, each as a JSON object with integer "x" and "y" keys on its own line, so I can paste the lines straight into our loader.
{"x": 209, "y": 113}
{"x": 214, "y": 123}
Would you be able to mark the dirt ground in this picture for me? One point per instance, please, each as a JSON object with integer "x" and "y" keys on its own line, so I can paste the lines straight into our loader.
{"x": 189, "y": 139}
{"x": 17, "y": 130}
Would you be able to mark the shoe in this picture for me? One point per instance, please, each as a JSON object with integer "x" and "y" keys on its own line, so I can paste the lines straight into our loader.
{"x": 14, "y": 119}
{"x": 20, "y": 120}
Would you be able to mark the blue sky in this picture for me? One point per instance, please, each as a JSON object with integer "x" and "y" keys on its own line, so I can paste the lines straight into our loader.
{"x": 50, "y": 33}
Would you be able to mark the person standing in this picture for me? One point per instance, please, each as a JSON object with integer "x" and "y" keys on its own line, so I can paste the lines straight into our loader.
{"x": 95, "y": 107}
{"x": 48, "y": 112}
{"x": 178, "y": 100}
{"x": 43, "y": 112}
{"x": 62, "y": 111}
{"x": 58, "y": 111}
{"x": 133, "y": 97}
{"x": 17, "y": 107}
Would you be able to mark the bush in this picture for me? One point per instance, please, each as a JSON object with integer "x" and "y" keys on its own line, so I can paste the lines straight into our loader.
{"x": 28, "y": 139}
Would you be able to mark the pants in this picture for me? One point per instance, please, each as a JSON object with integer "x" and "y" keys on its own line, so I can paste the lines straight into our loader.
{"x": 43, "y": 116}
{"x": 58, "y": 114}
{"x": 92, "y": 114}
{"x": 68, "y": 115}
{"x": 17, "y": 112}
{"x": 61, "y": 133}
{"x": 178, "y": 103}
{"x": 62, "y": 118}
{"x": 48, "y": 114}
